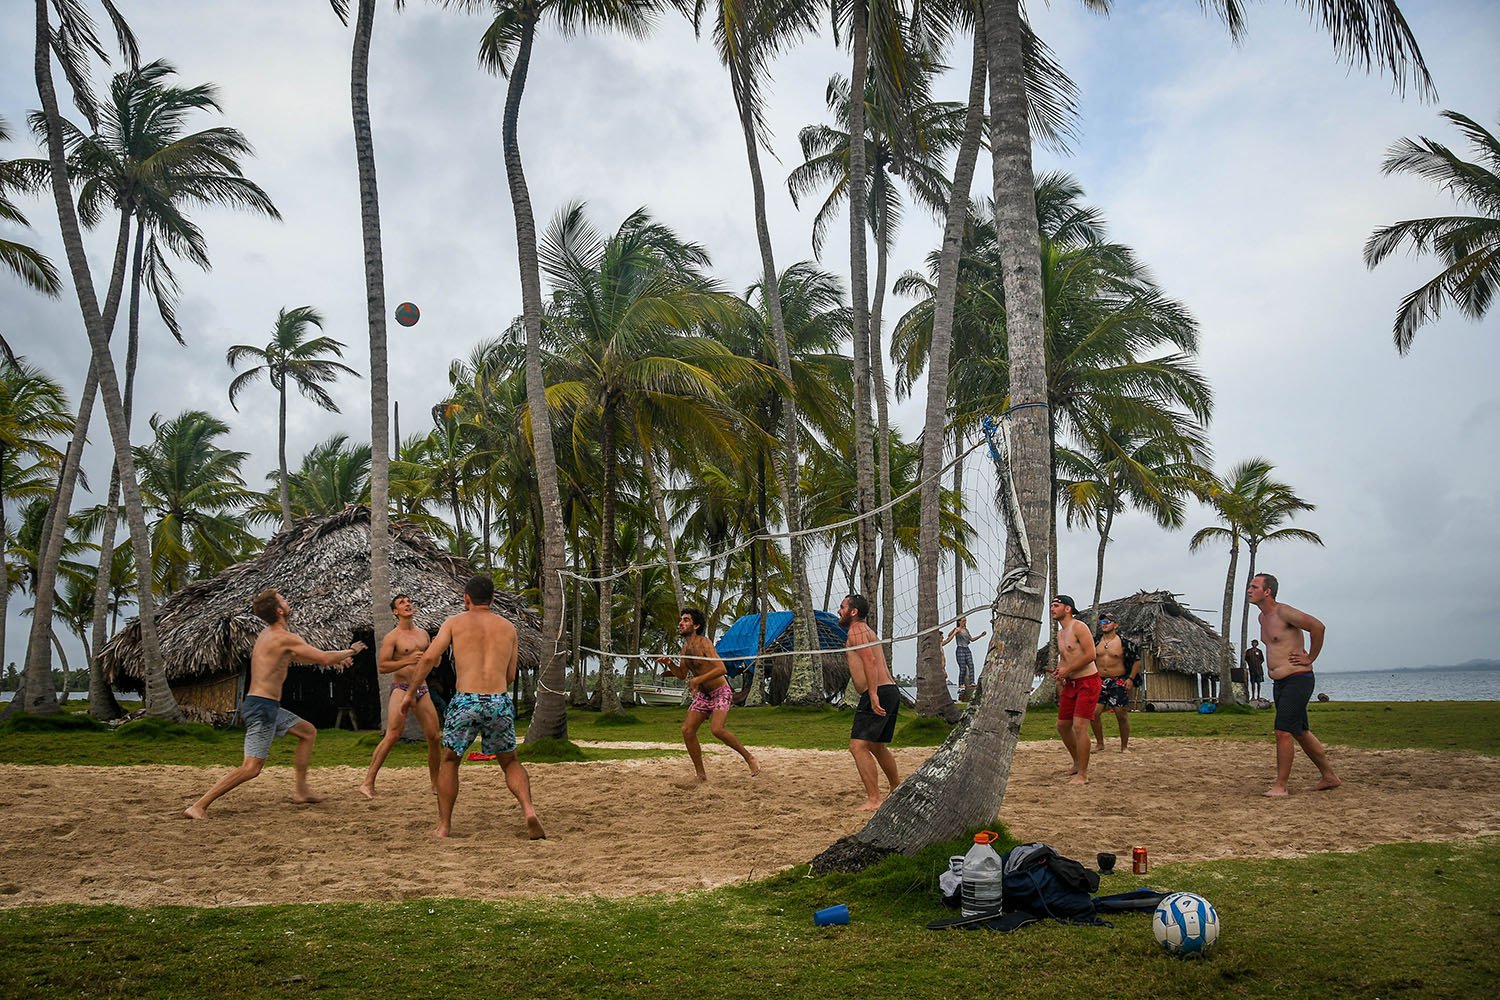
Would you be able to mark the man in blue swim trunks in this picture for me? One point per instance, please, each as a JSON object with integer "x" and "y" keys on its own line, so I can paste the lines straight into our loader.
{"x": 400, "y": 651}
{"x": 276, "y": 649}
{"x": 1290, "y": 665}
{"x": 484, "y": 659}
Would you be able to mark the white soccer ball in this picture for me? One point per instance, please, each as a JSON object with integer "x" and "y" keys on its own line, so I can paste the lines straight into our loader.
{"x": 1185, "y": 925}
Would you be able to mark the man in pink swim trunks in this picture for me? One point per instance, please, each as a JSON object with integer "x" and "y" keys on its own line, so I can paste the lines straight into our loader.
{"x": 712, "y": 695}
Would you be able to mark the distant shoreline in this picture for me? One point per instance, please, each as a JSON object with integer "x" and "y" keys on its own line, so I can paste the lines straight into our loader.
{"x": 1472, "y": 665}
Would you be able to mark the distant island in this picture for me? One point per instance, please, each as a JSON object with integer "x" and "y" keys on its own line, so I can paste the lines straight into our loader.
{"x": 1466, "y": 665}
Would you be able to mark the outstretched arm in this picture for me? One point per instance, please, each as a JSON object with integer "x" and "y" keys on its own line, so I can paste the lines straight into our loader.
{"x": 304, "y": 652}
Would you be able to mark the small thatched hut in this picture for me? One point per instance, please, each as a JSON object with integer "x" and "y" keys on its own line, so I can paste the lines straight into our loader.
{"x": 1179, "y": 650}
{"x": 321, "y": 565}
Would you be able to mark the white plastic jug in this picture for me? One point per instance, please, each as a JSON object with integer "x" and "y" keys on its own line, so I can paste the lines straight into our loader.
{"x": 983, "y": 876}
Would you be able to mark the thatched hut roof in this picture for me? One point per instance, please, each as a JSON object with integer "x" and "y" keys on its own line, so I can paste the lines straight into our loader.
{"x": 1179, "y": 640}
{"x": 321, "y": 565}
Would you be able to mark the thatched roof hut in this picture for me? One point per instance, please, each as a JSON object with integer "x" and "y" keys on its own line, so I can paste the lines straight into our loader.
{"x": 321, "y": 565}
{"x": 1179, "y": 650}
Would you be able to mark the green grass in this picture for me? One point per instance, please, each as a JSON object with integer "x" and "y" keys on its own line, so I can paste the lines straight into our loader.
{"x": 1473, "y": 726}
{"x": 1397, "y": 920}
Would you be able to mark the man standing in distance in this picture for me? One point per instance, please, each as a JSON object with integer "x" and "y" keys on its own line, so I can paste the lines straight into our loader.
{"x": 275, "y": 649}
{"x": 1255, "y": 660}
{"x": 484, "y": 660}
{"x": 704, "y": 671}
{"x": 1077, "y": 685}
{"x": 1119, "y": 666}
{"x": 1290, "y": 665}
{"x": 963, "y": 654}
{"x": 400, "y": 651}
{"x": 879, "y": 701}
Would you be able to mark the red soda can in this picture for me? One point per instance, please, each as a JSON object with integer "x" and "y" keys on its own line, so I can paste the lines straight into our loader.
{"x": 1139, "y": 863}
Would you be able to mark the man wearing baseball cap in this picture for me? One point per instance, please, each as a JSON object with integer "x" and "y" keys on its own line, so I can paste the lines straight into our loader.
{"x": 1077, "y": 685}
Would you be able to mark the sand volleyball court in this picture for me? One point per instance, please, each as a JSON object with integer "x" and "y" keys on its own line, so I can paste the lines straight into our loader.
{"x": 115, "y": 834}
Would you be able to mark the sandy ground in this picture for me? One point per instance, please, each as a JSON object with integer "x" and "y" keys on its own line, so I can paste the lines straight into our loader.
{"x": 115, "y": 834}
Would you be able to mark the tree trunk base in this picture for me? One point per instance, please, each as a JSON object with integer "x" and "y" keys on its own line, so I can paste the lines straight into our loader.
{"x": 847, "y": 854}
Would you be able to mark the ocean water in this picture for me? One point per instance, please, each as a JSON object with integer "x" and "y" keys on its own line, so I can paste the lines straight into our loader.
{"x": 1408, "y": 685}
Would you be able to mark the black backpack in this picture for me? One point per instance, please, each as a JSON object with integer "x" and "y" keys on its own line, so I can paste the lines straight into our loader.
{"x": 1039, "y": 881}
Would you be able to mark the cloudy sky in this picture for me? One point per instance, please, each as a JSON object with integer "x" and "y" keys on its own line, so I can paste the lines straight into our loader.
{"x": 1248, "y": 178}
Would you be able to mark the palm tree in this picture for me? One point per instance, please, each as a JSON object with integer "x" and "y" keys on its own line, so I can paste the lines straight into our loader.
{"x": 1468, "y": 245}
{"x": 911, "y": 148}
{"x": 624, "y": 308}
{"x": 506, "y": 50}
{"x": 747, "y": 37}
{"x": 26, "y": 263}
{"x": 334, "y": 474}
{"x": 1271, "y": 507}
{"x": 33, "y": 410}
{"x": 291, "y": 356}
{"x": 1124, "y": 467}
{"x": 73, "y": 39}
{"x": 194, "y": 489}
{"x": 965, "y": 781}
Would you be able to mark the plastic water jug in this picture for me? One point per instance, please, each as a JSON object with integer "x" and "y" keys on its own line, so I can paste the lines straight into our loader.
{"x": 983, "y": 876}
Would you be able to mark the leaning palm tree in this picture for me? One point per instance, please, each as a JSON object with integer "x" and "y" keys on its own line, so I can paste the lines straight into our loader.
{"x": 73, "y": 39}
{"x": 1468, "y": 245}
{"x": 290, "y": 355}
{"x": 506, "y": 50}
{"x": 748, "y": 35}
{"x": 964, "y": 782}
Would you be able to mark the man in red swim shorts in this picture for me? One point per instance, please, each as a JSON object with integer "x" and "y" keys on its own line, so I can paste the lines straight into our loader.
{"x": 712, "y": 694}
{"x": 1078, "y": 685}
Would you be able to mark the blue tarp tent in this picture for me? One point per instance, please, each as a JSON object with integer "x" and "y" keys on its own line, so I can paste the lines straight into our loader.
{"x": 736, "y": 647}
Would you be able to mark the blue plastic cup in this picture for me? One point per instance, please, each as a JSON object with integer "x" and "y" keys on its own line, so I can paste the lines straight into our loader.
{"x": 831, "y": 915}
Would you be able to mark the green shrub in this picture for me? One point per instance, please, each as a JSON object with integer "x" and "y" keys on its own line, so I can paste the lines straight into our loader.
{"x": 551, "y": 751}
{"x": 160, "y": 730}
{"x": 67, "y": 723}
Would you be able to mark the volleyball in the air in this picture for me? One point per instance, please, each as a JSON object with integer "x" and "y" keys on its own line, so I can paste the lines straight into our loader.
{"x": 1186, "y": 925}
{"x": 407, "y": 314}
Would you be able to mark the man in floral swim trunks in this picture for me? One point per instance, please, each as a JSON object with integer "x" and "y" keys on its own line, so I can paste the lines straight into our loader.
{"x": 484, "y": 660}
{"x": 712, "y": 694}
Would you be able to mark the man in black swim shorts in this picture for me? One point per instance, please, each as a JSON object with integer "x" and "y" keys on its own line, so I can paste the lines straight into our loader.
{"x": 879, "y": 701}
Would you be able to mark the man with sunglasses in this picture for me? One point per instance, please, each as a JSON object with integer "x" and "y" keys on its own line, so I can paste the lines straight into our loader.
{"x": 1119, "y": 667}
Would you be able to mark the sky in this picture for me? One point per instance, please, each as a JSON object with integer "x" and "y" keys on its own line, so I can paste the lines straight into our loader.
{"x": 1247, "y": 177}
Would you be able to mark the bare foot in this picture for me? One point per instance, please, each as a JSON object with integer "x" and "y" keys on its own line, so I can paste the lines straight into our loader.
{"x": 1070, "y": 771}
{"x": 690, "y": 784}
{"x": 1079, "y": 779}
{"x": 441, "y": 832}
{"x": 1099, "y": 748}
{"x": 870, "y": 805}
{"x": 534, "y": 829}
{"x": 367, "y": 790}
{"x": 1126, "y": 750}
{"x": 1275, "y": 793}
{"x": 194, "y": 812}
{"x": 754, "y": 767}
{"x": 307, "y": 798}
{"x": 1326, "y": 783}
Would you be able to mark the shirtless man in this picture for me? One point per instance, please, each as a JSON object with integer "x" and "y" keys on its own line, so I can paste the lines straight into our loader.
{"x": 712, "y": 695}
{"x": 1290, "y": 665}
{"x": 484, "y": 660}
{"x": 1119, "y": 668}
{"x": 879, "y": 701}
{"x": 276, "y": 648}
{"x": 400, "y": 651}
{"x": 1077, "y": 685}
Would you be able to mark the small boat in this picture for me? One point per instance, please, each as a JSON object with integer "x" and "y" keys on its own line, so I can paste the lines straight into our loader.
{"x": 654, "y": 690}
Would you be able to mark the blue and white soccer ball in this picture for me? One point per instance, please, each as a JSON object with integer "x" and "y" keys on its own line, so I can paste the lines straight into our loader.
{"x": 1185, "y": 925}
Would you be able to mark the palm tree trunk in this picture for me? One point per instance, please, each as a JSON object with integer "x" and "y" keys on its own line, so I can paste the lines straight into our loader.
{"x": 551, "y": 718}
{"x": 1226, "y": 656}
{"x": 380, "y": 425}
{"x": 608, "y": 695}
{"x": 883, "y": 429}
{"x": 663, "y": 526}
{"x": 1055, "y": 585}
{"x": 1104, "y": 529}
{"x": 805, "y": 687}
{"x": 282, "y": 489}
{"x": 932, "y": 675}
{"x": 964, "y": 782}
{"x": 1252, "y": 544}
{"x": 159, "y": 701}
{"x": 859, "y": 36}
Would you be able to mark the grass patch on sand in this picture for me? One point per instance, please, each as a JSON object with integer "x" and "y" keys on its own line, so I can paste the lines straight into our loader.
{"x": 1394, "y": 919}
{"x": 1472, "y": 726}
